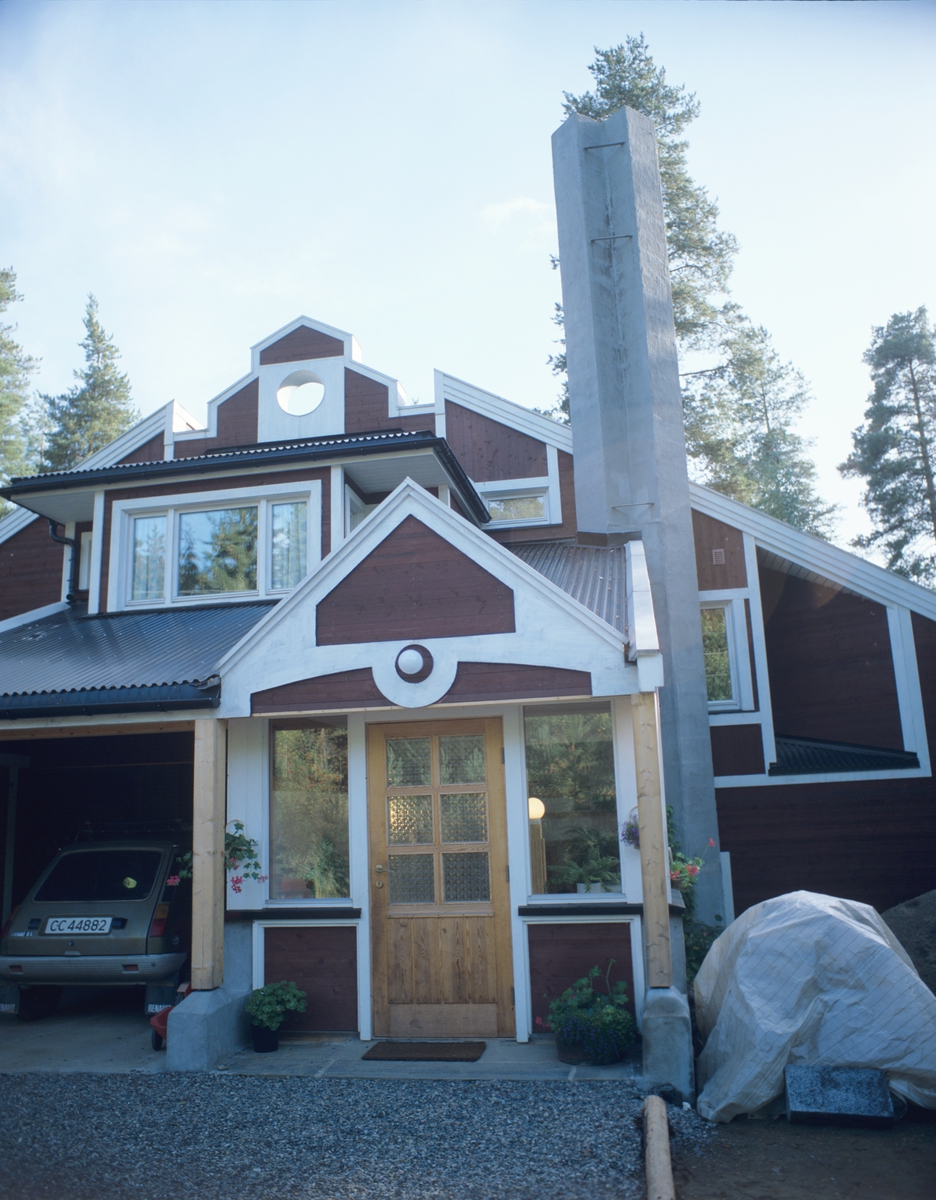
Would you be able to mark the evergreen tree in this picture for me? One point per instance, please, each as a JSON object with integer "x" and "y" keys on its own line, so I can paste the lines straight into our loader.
{"x": 700, "y": 254}
{"x": 895, "y": 449}
{"x": 739, "y": 428}
{"x": 95, "y": 410}
{"x": 16, "y": 367}
{"x": 740, "y": 414}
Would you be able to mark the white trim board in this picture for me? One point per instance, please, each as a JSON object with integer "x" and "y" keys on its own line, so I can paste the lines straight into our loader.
{"x": 735, "y": 781}
{"x": 837, "y": 565}
{"x": 498, "y": 408}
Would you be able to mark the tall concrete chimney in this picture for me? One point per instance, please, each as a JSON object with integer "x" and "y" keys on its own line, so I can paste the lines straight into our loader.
{"x": 627, "y": 426}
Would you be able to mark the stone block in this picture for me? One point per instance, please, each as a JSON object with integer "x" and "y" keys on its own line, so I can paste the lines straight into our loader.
{"x": 838, "y": 1096}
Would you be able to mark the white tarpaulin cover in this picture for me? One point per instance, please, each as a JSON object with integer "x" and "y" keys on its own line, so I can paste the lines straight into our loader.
{"x": 810, "y": 980}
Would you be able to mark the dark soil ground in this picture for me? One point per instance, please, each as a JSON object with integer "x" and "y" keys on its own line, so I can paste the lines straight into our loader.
{"x": 773, "y": 1160}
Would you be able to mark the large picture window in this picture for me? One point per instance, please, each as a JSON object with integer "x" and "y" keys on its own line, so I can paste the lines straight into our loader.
{"x": 309, "y": 810}
{"x": 244, "y": 544}
{"x": 574, "y": 839}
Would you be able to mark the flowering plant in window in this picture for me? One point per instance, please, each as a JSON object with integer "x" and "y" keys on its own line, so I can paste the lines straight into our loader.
{"x": 240, "y": 854}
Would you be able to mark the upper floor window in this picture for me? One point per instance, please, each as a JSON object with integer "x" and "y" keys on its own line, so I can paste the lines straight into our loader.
{"x": 247, "y": 543}
{"x": 729, "y": 682}
{"x": 717, "y": 655}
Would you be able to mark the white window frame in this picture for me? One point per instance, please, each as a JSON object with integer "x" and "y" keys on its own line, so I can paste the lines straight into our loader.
{"x": 739, "y": 660}
{"x": 354, "y": 507}
{"x": 540, "y": 485}
{"x": 120, "y": 571}
{"x": 625, "y": 796}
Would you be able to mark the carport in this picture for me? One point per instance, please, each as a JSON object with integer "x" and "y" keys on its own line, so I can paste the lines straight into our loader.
{"x": 103, "y": 782}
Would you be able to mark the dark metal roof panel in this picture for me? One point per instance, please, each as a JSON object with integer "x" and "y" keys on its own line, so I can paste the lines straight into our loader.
{"x": 71, "y": 651}
{"x": 808, "y": 756}
{"x": 593, "y": 575}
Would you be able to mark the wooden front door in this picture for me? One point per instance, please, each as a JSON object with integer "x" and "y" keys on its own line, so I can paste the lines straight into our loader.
{"x": 438, "y": 873}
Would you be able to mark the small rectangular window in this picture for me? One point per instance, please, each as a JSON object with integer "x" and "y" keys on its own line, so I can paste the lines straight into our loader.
{"x": 149, "y": 559}
{"x": 574, "y": 840}
{"x": 717, "y": 655}
{"x": 516, "y": 508}
{"x": 309, "y": 855}
{"x": 289, "y": 544}
{"x": 218, "y": 551}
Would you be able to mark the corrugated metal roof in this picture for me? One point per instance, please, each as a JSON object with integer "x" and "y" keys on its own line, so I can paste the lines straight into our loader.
{"x": 72, "y": 652}
{"x": 593, "y": 575}
{"x": 808, "y": 756}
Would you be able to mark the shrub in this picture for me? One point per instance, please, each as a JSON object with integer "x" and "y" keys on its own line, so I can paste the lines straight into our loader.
{"x": 268, "y": 1005}
{"x": 595, "y": 1025}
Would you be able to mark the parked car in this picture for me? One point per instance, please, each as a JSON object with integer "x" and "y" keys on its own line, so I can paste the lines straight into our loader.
{"x": 102, "y": 913}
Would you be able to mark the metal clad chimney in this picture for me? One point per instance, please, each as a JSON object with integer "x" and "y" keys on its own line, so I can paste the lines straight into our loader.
{"x": 627, "y": 428}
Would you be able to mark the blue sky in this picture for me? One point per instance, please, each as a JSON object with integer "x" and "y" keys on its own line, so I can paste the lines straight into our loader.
{"x": 211, "y": 170}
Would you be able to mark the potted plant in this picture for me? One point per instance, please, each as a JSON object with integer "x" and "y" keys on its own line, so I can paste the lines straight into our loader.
{"x": 594, "y": 862}
{"x": 592, "y": 1026}
{"x": 267, "y": 1009}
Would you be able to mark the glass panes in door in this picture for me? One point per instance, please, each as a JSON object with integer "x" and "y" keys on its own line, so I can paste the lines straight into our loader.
{"x": 437, "y": 799}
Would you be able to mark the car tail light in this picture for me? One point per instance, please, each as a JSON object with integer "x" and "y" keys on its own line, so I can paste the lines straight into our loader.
{"x": 9, "y": 921}
{"x": 158, "y": 926}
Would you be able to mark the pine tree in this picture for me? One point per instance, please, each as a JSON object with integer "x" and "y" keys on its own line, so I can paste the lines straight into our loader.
{"x": 895, "y": 449}
{"x": 16, "y": 367}
{"x": 96, "y": 409}
{"x": 700, "y": 254}
{"x": 739, "y": 428}
{"x": 740, "y": 414}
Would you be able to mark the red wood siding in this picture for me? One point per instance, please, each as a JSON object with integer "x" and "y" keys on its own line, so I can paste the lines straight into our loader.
{"x": 874, "y": 842}
{"x": 415, "y": 585}
{"x": 539, "y": 533}
{"x": 30, "y": 570}
{"x": 489, "y": 450}
{"x": 737, "y": 750}
{"x": 367, "y": 407}
{"x": 215, "y": 482}
{"x": 344, "y": 689}
{"x": 152, "y": 451}
{"x": 715, "y": 535}
{"x": 561, "y": 954}
{"x": 323, "y": 963}
{"x": 301, "y": 344}
{"x": 475, "y": 681}
{"x": 237, "y": 424}
{"x": 829, "y": 658}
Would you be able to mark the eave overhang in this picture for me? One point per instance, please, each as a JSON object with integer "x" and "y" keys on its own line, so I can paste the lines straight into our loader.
{"x": 46, "y": 494}
{"x": 99, "y": 701}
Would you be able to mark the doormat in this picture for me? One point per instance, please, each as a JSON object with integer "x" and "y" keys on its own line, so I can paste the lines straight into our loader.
{"x": 426, "y": 1051}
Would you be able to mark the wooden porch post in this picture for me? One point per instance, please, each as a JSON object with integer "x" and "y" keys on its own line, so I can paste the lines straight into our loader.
{"x": 208, "y": 879}
{"x": 654, "y": 860}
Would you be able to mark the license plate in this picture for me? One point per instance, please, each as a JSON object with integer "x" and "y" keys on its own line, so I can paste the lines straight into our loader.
{"x": 70, "y": 925}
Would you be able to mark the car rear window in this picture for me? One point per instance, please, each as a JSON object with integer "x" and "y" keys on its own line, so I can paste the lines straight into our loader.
{"x": 95, "y": 875}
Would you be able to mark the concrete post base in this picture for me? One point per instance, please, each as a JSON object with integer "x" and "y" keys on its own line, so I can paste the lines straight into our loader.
{"x": 211, "y": 1026}
{"x": 667, "y": 1042}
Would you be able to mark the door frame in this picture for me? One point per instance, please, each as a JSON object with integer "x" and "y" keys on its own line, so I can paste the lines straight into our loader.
{"x": 503, "y": 935}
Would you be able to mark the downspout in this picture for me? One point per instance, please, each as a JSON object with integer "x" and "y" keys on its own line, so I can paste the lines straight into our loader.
{"x": 72, "y": 595}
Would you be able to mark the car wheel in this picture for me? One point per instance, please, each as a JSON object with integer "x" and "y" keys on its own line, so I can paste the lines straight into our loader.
{"x": 38, "y": 1002}
{"x": 156, "y": 1040}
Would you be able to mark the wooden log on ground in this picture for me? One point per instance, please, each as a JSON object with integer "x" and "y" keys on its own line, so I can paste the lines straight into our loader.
{"x": 657, "y": 1161}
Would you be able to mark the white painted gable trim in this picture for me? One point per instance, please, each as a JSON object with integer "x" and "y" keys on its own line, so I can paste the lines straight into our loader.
{"x": 352, "y": 350}
{"x": 497, "y": 408}
{"x": 837, "y": 565}
{"x": 552, "y": 629}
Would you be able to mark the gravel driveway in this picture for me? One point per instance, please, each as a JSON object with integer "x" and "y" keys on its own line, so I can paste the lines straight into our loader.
{"x": 156, "y": 1137}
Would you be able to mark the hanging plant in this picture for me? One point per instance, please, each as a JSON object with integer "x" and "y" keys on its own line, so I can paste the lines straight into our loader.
{"x": 240, "y": 855}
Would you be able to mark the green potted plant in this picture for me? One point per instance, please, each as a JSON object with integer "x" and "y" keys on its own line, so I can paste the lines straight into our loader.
{"x": 267, "y": 1009}
{"x": 594, "y": 863}
{"x": 592, "y": 1026}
